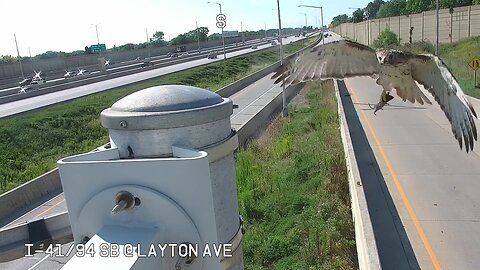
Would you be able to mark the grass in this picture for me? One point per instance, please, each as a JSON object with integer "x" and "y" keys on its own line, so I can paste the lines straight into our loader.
{"x": 456, "y": 56}
{"x": 31, "y": 144}
{"x": 293, "y": 190}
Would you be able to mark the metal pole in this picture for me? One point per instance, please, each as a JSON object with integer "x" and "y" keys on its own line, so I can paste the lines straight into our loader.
{"x": 265, "y": 27}
{"x": 306, "y": 23}
{"x": 474, "y": 78}
{"x": 284, "y": 98}
{"x": 241, "y": 29}
{"x": 223, "y": 38}
{"x": 198, "y": 37}
{"x": 148, "y": 43}
{"x": 321, "y": 12}
{"x": 437, "y": 28}
{"x": 96, "y": 30}
{"x": 18, "y": 56}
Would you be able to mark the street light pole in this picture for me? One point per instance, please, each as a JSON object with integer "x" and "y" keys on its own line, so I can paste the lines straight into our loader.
{"x": 198, "y": 37}
{"x": 284, "y": 98}
{"x": 148, "y": 43}
{"x": 265, "y": 27}
{"x": 223, "y": 38}
{"x": 321, "y": 15}
{"x": 306, "y": 23}
{"x": 18, "y": 56}
{"x": 241, "y": 30}
{"x": 96, "y": 31}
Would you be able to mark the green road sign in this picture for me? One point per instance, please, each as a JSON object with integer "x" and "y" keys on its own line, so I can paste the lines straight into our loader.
{"x": 98, "y": 48}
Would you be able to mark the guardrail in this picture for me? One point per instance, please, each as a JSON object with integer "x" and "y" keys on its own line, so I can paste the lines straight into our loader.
{"x": 367, "y": 252}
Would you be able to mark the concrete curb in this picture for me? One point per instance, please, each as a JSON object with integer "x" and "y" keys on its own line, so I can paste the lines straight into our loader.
{"x": 367, "y": 251}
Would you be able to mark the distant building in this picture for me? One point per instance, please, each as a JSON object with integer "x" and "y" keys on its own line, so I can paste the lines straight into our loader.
{"x": 228, "y": 34}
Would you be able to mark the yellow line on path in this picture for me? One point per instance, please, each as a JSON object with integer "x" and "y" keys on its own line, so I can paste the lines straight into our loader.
{"x": 399, "y": 187}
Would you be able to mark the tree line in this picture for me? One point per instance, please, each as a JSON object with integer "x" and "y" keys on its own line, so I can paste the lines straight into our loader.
{"x": 383, "y": 9}
{"x": 157, "y": 40}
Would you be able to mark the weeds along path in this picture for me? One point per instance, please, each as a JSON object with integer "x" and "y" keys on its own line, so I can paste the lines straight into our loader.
{"x": 293, "y": 189}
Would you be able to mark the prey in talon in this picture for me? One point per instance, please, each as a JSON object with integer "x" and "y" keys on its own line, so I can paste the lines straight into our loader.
{"x": 384, "y": 99}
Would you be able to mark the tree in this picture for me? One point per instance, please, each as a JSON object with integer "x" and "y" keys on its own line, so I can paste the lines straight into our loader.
{"x": 203, "y": 33}
{"x": 157, "y": 39}
{"x": 419, "y": 6}
{"x": 358, "y": 15}
{"x": 454, "y": 3}
{"x": 88, "y": 50}
{"x": 191, "y": 36}
{"x": 372, "y": 8}
{"x": 393, "y": 8}
{"x": 339, "y": 19}
{"x": 7, "y": 59}
{"x": 476, "y": 2}
{"x": 385, "y": 39}
{"x": 157, "y": 36}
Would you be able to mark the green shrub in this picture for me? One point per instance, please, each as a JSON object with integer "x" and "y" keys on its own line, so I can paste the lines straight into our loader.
{"x": 386, "y": 39}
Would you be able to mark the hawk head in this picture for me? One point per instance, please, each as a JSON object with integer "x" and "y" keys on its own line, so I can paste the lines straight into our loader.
{"x": 391, "y": 57}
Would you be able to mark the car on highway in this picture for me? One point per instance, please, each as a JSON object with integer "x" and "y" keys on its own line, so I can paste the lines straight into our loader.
{"x": 25, "y": 82}
{"x": 175, "y": 55}
{"x": 146, "y": 64}
{"x": 254, "y": 47}
{"x": 26, "y": 89}
{"x": 274, "y": 42}
{"x": 69, "y": 73}
{"x": 212, "y": 55}
{"x": 82, "y": 72}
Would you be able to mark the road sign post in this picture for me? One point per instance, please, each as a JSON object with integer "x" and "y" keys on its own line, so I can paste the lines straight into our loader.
{"x": 474, "y": 64}
{"x": 221, "y": 23}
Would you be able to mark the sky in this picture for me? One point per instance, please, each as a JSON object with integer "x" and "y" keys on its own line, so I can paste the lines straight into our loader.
{"x": 59, "y": 25}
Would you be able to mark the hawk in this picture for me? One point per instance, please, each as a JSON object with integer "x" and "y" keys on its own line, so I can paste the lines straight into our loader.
{"x": 393, "y": 70}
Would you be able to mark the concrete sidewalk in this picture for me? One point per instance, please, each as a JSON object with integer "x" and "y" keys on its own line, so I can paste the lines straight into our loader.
{"x": 423, "y": 191}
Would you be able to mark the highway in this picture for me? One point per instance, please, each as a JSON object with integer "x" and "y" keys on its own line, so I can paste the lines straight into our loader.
{"x": 16, "y": 107}
{"x": 250, "y": 100}
{"x": 129, "y": 64}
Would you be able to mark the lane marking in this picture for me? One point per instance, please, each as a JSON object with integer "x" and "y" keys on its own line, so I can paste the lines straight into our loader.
{"x": 249, "y": 104}
{"x": 50, "y": 208}
{"x": 399, "y": 187}
{"x": 31, "y": 211}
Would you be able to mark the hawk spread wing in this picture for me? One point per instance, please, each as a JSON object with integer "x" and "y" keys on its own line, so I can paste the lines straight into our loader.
{"x": 342, "y": 59}
{"x": 334, "y": 60}
{"x": 434, "y": 75}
